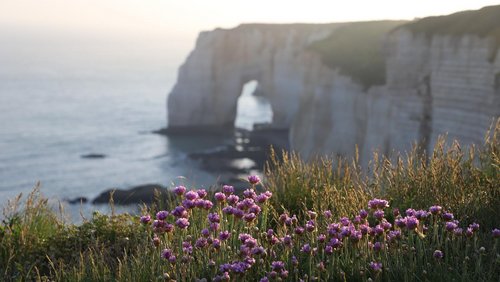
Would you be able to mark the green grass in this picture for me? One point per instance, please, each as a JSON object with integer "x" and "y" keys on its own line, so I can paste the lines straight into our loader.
{"x": 356, "y": 49}
{"x": 36, "y": 244}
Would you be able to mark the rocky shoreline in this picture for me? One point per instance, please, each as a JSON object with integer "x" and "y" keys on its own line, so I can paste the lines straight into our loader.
{"x": 246, "y": 154}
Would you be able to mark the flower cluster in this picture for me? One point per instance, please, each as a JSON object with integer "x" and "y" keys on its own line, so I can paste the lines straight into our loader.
{"x": 226, "y": 236}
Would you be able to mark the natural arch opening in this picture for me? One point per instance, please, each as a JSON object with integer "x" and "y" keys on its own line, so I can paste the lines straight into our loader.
{"x": 252, "y": 108}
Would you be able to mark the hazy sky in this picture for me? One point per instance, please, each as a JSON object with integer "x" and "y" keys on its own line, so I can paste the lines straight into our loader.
{"x": 188, "y": 17}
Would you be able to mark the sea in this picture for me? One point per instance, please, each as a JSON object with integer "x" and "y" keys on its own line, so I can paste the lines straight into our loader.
{"x": 64, "y": 96}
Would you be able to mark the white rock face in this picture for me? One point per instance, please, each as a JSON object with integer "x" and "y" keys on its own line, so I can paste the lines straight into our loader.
{"x": 211, "y": 79}
{"x": 434, "y": 85}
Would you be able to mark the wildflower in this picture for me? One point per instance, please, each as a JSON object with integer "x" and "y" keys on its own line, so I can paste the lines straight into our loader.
{"x": 161, "y": 215}
{"x": 264, "y": 279}
{"x": 262, "y": 198}
{"x": 145, "y": 219}
{"x": 182, "y": 223}
{"x": 335, "y": 243}
{"x": 254, "y": 209}
{"x": 287, "y": 240}
{"x": 277, "y": 265}
{"x": 250, "y": 242}
{"x": 447, "y": 216}
{"x": 227, "y": 189}
{"x": 310, "y": 225}
{"x": 166, "y": 253}
{"x": 312, "y": 214}
{"x": 377, "y": 246}
{"x": 357, "y": 219}
{"x": 411, "y": 222}
{"x": 180, "y": 211}
{"x": 363, "y": 214}
{"x": 421, "y": 214}
{"x": 376, "y": 266}
{"x": 284, "y": 274}
{"x": 205, "y": 232}
{"x": 345, "y": 221}
{"x": 400, "y": 222}
{"x": 495, "y": 233}
{"x": 355, "y": 236}
{"x": 202, "y": 193}
{"x": 329, "y": 250}
{"x": 321, "y": 238}
{"x": 253, "y": 179}
{"x": 438, "y": 254}
{"x": 450, "y": 226}
{"x": 364, "y": 229}
{"x": 243, "y": 237}
{"x": 200, "y": 243}
{"x": 378, "y": 214}
{"x": 299, "y": 230}
{"x": 258, "y": 251}
{"x": 379, "y": 230}
{"x": 192, "y": 195}
{"x": 238, "y": 213}
{"x": 249, "y": 194}
{"x": 214, "y": 226}
{"x": 306, "y": 249}
{"x": 187, "y": 247}
{"x": 469, "y": 232}
{"x": 395, "y": 212}
{"x": 474, "y": 226}
{"x": 179, "y": 190}
{"x": 188, "y": 204}
{"x": 207, "y": 204}
{"x": 327, "y": 214}
{"x": 156, "y": 241}
{"x": 213, "y": 217}
{"x": 457, "y": 231}
{"x": 268, "y": 194}
{"x": 228, "y": 210}
{"x": 249, "y": 217}
{"x": 386, "y": 225}
{"x": 410, "y": 212}
{"x": 435, "y": 210}
{"x": 378, "y": 204}
{"x": 220, "y": 197}
{"x": 224, "y": 235}
{"x": 239, "y": 267}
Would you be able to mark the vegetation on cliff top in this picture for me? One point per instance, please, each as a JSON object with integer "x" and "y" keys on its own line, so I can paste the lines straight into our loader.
{"x": 356, "y": 49}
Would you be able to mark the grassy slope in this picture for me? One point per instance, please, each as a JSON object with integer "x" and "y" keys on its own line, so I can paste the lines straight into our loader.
{"x": 357, "y": 50}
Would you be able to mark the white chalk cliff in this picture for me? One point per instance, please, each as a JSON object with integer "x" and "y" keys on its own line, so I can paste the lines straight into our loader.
{"x": 434, "y": 83}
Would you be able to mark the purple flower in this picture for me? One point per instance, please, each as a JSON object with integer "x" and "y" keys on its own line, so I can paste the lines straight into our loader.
{"x": 345, "y": 221}
{"x": 207, "y": 204}
{"x": 239, "y": 267}
{"x": 161, "y": 215}
{"x": 376, "y": 266}
{"x": 213, "y": 217}
{"x": 363, "y": 214}
{"x": 253, "y": 179}
{"x": 355, "y": 236}
{"x": 378, "y": 214}
{"x": 227, "y": 189}
{"x": 262, "y": 198}
{"x": 182, "y": 223}
{"x": 192, "y": 195}
{"x": 228, "y": 210}
{"x": 469, "y": 232}
{"x": 145, "y": 219}
{"x": 277, "y": 265}
{"x": 166, "y": 253}
{"x": 327, "y": 214}
{"x": 214, "y": 226}
{"x": 378, "y": 204}
{"x": 249, "y": 193}
{"x": 306, "y": 249}
{"x": 450, "y": 226}
{"x": 335, "y": 243}
{"x": 180, "y": 211}
{"x": 156, "y": 241}
{"x": 258, "y": 251}
{"x": 201, "y": 242}
{"x": 379, "y": 230}
{"x": 495, "y": 233}
{"x": 411, "y": 212}
{"x": 179, "y": 190}
{"x": 400, "y": 222}
{"x": 474, "y": 226}
{"x": 243, "y": 237}
{"x": 202, "y": 193}
{"x": 216, "y": 244}
{"x": 205, "y": 232}
{"x": 393, "y": 235}
{"x": 238, "y": 213}
{"x": 264, "y": 279}
{"x": 188, "y": 204}
{"x": 458, "y": 231}
{"x": 438, "y": 254}
{"x": 447, "y": 216}
{"x": 310, "y": 225}
{"x": 421, "y": 214}
{"x": 411, "y": 222}
{"x": 386, "y": 225}
{"x": 312, "y": 214}
{"x": 199, "y": 203}
{"x": 254, "y": 209}
{"x": 435, "y": 210}
{"x": 220, "y": 197}
{"x": 224, "y": 235}
{"x": 321, "y": 238}
{"x": 377, "y": 246}
{"x": 287, "y": 240}
{"x": 187, "y": 247}
{"x": 249, "y": 217}
{"x": 172, "y": 259}
{"x": 328, "y": 250}
{"x": 299, "y": 230}
{"x": 395, "y": 212}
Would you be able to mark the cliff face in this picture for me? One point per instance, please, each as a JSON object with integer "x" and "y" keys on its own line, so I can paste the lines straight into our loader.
{"x": 211, "y": 79}
{"x": 424, "y": 84}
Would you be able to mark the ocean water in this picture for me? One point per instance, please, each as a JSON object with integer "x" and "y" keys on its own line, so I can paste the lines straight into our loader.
{"x": 61, "y": 99}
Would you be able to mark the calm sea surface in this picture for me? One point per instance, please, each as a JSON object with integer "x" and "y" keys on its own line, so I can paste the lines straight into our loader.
{"x": 60, "y": 100}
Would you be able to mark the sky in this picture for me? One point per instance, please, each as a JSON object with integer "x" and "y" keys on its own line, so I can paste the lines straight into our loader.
{"x": 185, "y": 18}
